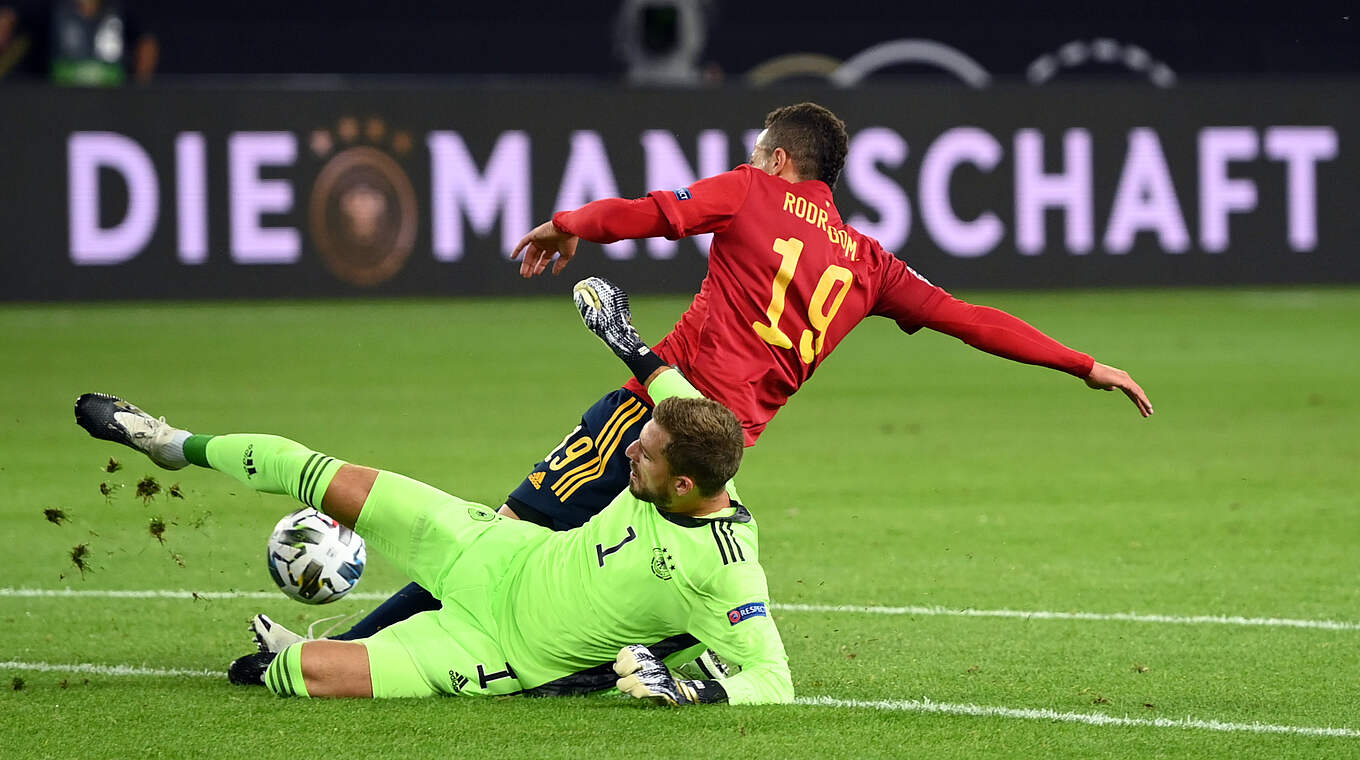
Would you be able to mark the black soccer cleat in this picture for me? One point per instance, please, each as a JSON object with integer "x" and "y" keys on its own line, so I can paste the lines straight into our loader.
{"x": 110, "y": 418}
{"x": 249, "y": 670}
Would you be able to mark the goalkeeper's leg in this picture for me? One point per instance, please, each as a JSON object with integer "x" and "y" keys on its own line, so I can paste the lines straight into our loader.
{"x": 266, "y": 463}
{"x": 564, "y": 490}
{"x": 274, "y": 464}
{"x": 319, "y": 669}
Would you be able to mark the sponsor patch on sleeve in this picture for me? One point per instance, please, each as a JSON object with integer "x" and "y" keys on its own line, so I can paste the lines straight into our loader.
{"x": 745, "y": 611}
{"x": 682, "y": 193}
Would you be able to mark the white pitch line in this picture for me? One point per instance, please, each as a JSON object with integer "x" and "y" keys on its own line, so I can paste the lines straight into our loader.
{"x": 936, "y": 610}
{"x": 1092, "y": 719}
{"x": 1128, "y": 617}
{"x": 897, "y": 705}
{"x": 106, "y": 670}
{"x": 163, "y": 594}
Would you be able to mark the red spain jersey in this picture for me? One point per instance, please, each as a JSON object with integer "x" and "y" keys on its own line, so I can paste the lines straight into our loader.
{"x": 787, "y": 280}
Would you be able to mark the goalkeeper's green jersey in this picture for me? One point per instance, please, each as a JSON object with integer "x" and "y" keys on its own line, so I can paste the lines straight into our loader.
{"x": 634, "y": 574}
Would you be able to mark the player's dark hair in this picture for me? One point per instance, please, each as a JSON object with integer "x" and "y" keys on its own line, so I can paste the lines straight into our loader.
{"x": 706, "y": 441}
{"x": 813, "y": 136}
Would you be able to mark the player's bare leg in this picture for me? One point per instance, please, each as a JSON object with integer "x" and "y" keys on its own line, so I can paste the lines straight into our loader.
{"x": 336, "y": 668}
{"x": 348, "y": 491}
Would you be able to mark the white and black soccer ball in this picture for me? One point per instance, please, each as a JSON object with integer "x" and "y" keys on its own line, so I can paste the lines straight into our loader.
{"x": 315, "y": 559}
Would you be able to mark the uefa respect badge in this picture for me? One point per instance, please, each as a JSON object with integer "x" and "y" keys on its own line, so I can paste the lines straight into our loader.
{"x": 745, "y": 611}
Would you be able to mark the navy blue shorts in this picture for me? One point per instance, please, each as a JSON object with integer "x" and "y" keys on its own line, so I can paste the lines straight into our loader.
{"x": 588, "y": 469}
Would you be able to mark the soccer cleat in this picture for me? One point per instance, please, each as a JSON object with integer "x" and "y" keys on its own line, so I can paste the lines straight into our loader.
{"x": 604, "y": 307}
{"x": 270, "y": 636}
{"x": 110, "y": 418}
{"x": 249, "y": 670}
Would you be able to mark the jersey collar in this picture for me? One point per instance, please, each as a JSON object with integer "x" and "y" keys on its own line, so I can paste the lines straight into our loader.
{"x": 820, "y": 193}
{"x": 742, "y": 515}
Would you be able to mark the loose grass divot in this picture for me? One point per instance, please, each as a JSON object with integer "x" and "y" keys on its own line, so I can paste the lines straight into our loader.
{"x": 157, "y": 529}
{"x": 147, "y": 488}
{"x": 80, "y": 555}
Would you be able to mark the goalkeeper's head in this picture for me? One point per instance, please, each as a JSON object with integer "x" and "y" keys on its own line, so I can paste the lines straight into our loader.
{"x": 685, "y": 455}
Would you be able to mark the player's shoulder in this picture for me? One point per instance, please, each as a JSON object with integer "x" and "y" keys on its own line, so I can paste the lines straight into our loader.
{"x": 870, "y": 250}
{"x": 734, "y": 539}
{"x": 740, "y": 176}
{"x": 720, "y": 541}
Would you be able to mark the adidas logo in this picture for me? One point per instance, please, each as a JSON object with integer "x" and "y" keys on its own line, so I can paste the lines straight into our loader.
{"x": 458, "y": 680}
{"x": 537, "y": 479}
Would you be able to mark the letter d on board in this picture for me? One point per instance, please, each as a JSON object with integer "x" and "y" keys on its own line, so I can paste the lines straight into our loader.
{"x": 86, "y": 154}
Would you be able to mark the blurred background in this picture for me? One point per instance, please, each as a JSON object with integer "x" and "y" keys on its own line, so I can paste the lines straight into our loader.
{"x": 676, "y": 41}
{"x": 261, "y": 149}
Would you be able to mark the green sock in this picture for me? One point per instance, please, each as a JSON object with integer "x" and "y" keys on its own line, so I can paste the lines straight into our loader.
{"x": 196, "y": 449}
{"x": 284, "y": 675}
{"x": 267, "y": 463}
{"x": 665, "y": 385}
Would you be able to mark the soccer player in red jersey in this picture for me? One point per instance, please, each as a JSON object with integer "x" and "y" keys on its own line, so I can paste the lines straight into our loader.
{"x": 787, "y": 280}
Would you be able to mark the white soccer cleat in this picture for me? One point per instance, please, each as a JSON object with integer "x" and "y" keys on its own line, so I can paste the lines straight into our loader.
{"x": 110, "y": 418}
{"x": 272, "y": 637}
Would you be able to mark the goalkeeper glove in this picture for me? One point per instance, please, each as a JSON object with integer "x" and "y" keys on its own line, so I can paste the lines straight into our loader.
{"x": 643, "y": 676}
{"x": 604, "y": 308}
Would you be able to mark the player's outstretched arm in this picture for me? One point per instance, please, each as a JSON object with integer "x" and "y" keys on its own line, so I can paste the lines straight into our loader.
{"x": 1006, "y": 335}
{"x": 1103, "y": 377}
{"x": 607, "y": 220}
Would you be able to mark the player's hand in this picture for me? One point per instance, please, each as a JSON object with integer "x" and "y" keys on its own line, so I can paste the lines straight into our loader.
{"x": 604, "y": 309}
{"x": 643, "y": 676}
{"x": 1103, "y": 377}
{"x": 540, "y": 246}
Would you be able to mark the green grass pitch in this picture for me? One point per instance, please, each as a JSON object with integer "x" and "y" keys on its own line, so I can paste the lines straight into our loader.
{"x": 914, "y": 477}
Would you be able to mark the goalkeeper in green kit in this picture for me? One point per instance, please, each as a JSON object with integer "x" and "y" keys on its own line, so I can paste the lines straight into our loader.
{"x": 527, "y": 610}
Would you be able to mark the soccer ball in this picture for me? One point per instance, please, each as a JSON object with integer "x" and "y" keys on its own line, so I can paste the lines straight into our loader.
{"x": 315, "y": 559}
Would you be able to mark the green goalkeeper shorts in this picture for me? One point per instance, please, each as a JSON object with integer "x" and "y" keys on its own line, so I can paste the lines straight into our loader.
{"x": 460, "y": 551}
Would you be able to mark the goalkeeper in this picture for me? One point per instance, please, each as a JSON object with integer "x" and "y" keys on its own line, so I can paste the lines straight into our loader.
{"x": 526, "y": 609}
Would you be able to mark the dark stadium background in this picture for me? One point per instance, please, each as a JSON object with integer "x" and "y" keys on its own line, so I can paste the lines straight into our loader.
{"x": 537, "y": 38}
{"x": 437, "y": 108}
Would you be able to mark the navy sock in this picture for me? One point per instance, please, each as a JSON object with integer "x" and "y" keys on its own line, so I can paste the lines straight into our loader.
{"x": 403, "y": 604}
